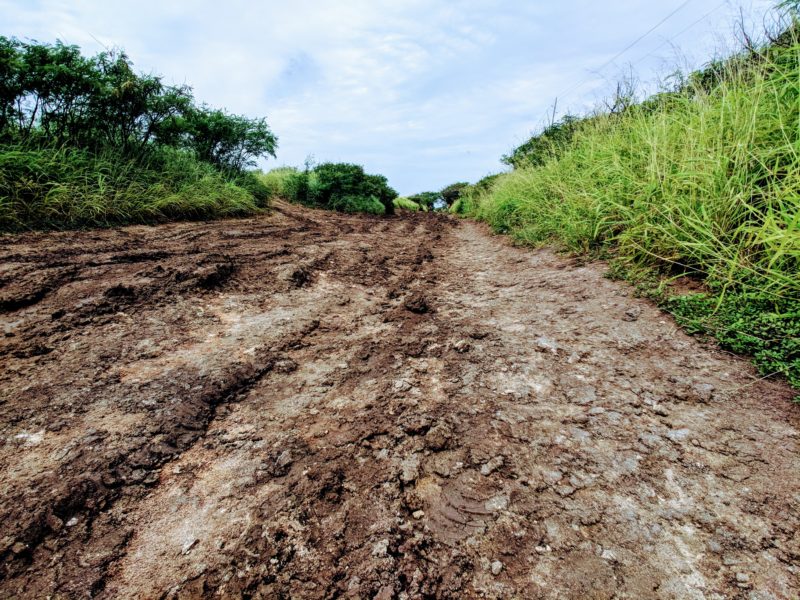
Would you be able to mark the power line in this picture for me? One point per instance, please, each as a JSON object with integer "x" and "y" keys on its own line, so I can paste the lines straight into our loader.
{"x": 628, "y": 47}
{"x": 680, "y": 33}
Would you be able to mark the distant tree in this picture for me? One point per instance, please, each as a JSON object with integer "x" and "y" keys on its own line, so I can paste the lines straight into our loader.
{"x": 345, "y": 184}
{"x": 426, "y": 199}
{"x": 453, "y": 192}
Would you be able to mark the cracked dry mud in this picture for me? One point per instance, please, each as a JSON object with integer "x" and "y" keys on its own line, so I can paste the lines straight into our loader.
{"x": 311, "y": 405}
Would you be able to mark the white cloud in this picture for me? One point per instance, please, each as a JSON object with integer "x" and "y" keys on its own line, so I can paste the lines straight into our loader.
{"x": 424, "y": 91}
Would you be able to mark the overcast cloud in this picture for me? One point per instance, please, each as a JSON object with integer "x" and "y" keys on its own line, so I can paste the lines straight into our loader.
{"x": 426, "y": 92}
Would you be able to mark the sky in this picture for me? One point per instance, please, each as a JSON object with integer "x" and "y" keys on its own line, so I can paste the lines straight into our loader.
{"x": 426, "y": 92}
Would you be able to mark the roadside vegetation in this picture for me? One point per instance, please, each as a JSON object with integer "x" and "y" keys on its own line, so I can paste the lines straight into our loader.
{"x": 406, "y": 204}
{"x": 88, "y": 141}
{"x": 343, "y": 187}
{"x": 698, "y": 184}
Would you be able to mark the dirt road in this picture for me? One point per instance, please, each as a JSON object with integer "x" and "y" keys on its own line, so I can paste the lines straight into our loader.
{"x": 311, "y": 405}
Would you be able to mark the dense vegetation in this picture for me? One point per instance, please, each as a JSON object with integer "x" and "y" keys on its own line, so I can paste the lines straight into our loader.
{"x": 88, "y": 141}
{"x": 700, "y": 181}
{"x": 343, "y": 187}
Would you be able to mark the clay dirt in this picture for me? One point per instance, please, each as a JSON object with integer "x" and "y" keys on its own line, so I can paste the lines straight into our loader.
{"x": 313, "y": 405}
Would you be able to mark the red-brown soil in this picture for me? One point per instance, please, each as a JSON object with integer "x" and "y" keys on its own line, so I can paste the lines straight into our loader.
{"x": 312, "y": 405}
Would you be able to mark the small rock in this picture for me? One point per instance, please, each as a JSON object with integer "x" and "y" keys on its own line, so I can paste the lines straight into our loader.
{"x": 608, "y": 555}
{"x": 496, "y": 503}
{"x": 19, "y": 547}
{"x": 401, "y": 385}
{"x": 409, "y": 469}
{"x": 418, "y": 304}
{"x": 381, "y": 548}
{"x": 188, "y": 545}
{"x": 632, "y": 314}
{"x": 701, "y": 392}
{"x": 286, "y": 365}
{"x": 565, "y": 490}
{"x": 418, "y": 514}
{"x": 438, "y": 438}
{"x": 284, "y": 459}
{"x": 497, "y": 566}
{"x": 492, "y": 465}
{"x": 72, "y": 522}
{"x": 660, "y": 411}
{"x": 546, "y": 345}
{"x": 462, "y": 346}
{"x": 678, "y": 435}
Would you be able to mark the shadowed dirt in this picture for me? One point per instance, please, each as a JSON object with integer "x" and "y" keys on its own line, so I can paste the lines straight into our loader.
{"x": 313, "y": 405}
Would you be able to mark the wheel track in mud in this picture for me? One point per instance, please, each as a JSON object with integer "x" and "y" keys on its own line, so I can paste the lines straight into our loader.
{"x": 365, "y": 407}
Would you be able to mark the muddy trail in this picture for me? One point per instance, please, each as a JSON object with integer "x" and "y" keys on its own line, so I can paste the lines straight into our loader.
{"x": 312, "y": 405}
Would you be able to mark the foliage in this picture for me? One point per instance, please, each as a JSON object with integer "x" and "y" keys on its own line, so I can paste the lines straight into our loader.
{"x": 277, "y": 181}
{"x": 427, "y": 200}
{"x": 452, "y": 192}
{"x": 703, "y": 180}
{"x": 548, "y": 144}
{"x": 749, "y": 323}
{"x": 406, "y": 204}
{"x": 340, "y": 186}
{"x": 97, "y": 113}
{"x": 470, "y": 195}
{"x": 354, "y": 204}
{"x": 230, "y": 142}
{"x": 72, "y": 187}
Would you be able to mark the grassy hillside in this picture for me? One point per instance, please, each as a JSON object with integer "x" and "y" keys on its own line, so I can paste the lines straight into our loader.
{"x": 702, "y": 181}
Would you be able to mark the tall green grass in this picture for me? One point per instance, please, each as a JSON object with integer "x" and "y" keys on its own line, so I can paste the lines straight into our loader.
{"x": 703, "y": 181}
{"x": 68, "y": 187}
{"x": 404, "y": 203}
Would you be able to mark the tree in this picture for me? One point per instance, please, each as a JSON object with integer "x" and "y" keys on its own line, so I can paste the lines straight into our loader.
{"x": 231, "y": 142}
{"x": 51, "y": 95}
{"x": 426, "y": 199}
{"x": 338, "y": 185}
{"x": 453, "y": 192}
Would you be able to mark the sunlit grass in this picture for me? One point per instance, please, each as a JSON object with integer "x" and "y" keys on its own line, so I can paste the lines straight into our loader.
{"x": 706, "y": 183}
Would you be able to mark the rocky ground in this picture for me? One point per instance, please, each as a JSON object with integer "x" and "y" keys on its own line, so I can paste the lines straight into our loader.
{"x": 311, "y": 405}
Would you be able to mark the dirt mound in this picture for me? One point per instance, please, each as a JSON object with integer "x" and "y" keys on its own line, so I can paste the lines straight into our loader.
{"x": 313, "y": 405}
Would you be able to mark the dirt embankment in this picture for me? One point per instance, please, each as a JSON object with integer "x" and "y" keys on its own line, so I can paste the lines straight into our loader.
{"x": 310, "y": 405}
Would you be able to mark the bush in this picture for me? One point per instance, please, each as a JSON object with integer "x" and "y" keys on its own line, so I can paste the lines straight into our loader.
{"x": 277, "y": 182}
{"x": 354, "y": 204}
{"x": 406, "y": 204}
{"x": 427, "y": 200}
{"x": 453, "y": 192}
{"x": 340, "y": 186}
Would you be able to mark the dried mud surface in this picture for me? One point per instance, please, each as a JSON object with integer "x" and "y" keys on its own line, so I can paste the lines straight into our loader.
{"x": 311, "y": 405}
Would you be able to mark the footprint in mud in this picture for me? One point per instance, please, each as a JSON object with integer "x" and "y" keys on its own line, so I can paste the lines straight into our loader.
{"x": 457, "y": 509}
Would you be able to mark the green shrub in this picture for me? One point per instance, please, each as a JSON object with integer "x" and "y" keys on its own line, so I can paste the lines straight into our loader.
{"x": 452, "y": 192}
{"x": 748, "y": 323}
{"x": 340, "y": 186}
{"x": 406, "y": 204}
{"x": 277, "y": 182}
{"x": 354, "y": 204}
{"x": 427, "y": 200}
